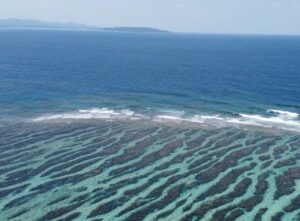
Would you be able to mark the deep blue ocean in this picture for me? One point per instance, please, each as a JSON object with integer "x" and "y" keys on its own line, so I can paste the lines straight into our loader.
{"x": 55, "y": 71}
{"x": 149, "y": 127}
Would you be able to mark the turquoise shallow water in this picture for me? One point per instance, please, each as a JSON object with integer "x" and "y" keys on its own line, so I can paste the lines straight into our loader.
{"x": 123, "y": 126}
{"x": 120, "y": 170}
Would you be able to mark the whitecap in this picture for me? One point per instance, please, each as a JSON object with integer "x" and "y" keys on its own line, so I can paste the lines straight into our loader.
{"x": 280, "y": 119}
{"x": 161, "y": 118}
{"x": 283, "y": 120}
{"x": 93, "y": 113}
{"x": 285, "y": 114}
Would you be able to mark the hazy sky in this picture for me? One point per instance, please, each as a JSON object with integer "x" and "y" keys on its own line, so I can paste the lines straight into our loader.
{"x": 208, "y": 16}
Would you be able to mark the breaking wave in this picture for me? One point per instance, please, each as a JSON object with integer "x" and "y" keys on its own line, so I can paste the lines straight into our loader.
{"x": 277, "y": 119}
{"x": 283, "y": 120}
{"x": 94, "y": 113}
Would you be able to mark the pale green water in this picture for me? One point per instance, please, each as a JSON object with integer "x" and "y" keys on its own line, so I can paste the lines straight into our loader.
{"x": 120, "y": 170}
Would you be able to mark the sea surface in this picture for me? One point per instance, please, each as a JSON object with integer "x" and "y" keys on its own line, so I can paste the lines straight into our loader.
{"x": 123, "y": 126}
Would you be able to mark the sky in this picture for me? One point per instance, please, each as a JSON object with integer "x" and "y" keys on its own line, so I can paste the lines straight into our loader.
{"x": 199, "y": 16}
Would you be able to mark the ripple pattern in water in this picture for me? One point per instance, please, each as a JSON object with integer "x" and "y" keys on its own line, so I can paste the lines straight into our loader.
{"x": 134, "y": 171}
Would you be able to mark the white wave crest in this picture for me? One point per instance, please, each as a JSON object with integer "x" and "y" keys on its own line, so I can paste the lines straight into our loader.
{"x": 279, "y": 119}
{"x": 285, "y": 114}
{"x": 283, "y": 120}
{"x": 166, "y": 118}
{"x": 94, "y": 113}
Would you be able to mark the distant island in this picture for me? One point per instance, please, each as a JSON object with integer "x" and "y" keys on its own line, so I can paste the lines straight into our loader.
{"x": 135, "y": 29}
{"x": 42, "y": 25}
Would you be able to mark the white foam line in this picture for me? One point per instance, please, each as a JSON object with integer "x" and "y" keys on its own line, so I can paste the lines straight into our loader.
{"x": 285, "y": 114}
{"x": 281, "y": 120}
{"x": 94, "y": 113}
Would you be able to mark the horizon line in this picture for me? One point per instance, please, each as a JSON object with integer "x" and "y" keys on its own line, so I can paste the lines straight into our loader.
{"x": 90, "y": 28}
